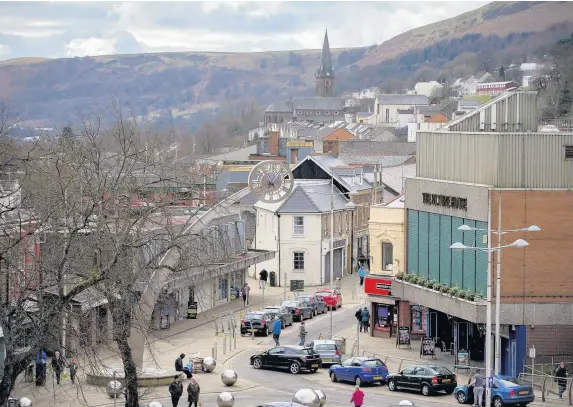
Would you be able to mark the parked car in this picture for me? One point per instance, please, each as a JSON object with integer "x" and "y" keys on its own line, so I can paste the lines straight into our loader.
{"x": 300, "y": 310}
{"x": 424, "y": 378}
{"x": 283, "y": 313}
{"x": 359, "y": 370}
{"x": 317, "y": 303}
{"x": 506, "y": 390}
{"x": 293, "y": 358}
{"x": 332, "y": 298}
{"x": 259, "y": 320}
{"x": 328, "y": 351}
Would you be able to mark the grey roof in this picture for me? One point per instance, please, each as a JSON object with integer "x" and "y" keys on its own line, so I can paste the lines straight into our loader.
{"x": 307, "y": 103}
{"x": 411, "y": 100}
{"x": 241, "y": 154}
{"x": 279, "y": 106}
{"x": 308, "y": 196}
{"x": 361, "y": 148}
{"x": 384, "y": 161}
{"x": 231, "y": 177}
{"x": 468, "y": 103}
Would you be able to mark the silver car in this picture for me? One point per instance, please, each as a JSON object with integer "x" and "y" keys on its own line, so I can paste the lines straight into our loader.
{"x": 327, "y": 350}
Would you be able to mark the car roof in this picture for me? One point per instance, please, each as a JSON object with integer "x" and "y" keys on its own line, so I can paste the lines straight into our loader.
{"x": 255, "y": 312}
{"x": 273, "y": 307}
{"x": 324, "y": 341}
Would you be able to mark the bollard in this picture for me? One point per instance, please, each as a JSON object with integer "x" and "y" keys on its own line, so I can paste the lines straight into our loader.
{"x": 252, "y": 334}
{"x": 215, "y": 350}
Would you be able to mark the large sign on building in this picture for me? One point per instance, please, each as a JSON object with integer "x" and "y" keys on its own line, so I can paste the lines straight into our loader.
{"x": 468, "y": 201}
{"x": 378, "y": 286}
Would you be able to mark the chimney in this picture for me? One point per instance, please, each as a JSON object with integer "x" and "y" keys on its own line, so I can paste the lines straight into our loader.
{"x": 274, "y": 143}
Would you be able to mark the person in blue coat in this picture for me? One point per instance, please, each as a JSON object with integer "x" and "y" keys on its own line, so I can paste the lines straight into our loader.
{"x": 277, "y": 328}
{"x": 365, "y": 319}
{"x": 362, "y": 274}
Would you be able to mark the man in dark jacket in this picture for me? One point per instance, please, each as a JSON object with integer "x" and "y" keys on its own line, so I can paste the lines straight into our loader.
{"x": 358, "y": 316}
{"x": 179, "y": 363}
{"x": 561, "y": 378}
{"x": 263, "y": 275}
{"x": 176, "y": 390}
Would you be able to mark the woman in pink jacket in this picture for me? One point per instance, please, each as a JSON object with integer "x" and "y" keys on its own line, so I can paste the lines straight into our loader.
{"x": 357, "y": 397}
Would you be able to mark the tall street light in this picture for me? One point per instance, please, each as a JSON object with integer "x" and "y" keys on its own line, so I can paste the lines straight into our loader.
{"x": 499, "y": 233}
{"x": 519, "y": 243}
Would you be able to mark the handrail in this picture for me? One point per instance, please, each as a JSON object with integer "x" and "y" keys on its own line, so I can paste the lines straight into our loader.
{"x": 544, "y": 387}
{"x": 393, "y": 358}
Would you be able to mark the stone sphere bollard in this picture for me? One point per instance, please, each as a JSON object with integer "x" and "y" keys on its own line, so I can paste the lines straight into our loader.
{"x": 155, "y": 404}
{"x": 321, "y": 397}
{"x": 113, "y": 389}
{"x": 229, "y": 377}
{"x": 306, "y": 397}
{"x": 225, "y": 399}
{"x": 405, "y": 403}
{"x": 209, "y": 364}
{"x": 25, "y": 402}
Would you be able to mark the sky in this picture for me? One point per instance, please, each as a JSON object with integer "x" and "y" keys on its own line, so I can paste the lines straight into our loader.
{"x": 70, "y": 29}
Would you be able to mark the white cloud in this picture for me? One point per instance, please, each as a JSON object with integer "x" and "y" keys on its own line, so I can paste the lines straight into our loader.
{"x": 81, "y": 47}
{"x": 4, "y": 50}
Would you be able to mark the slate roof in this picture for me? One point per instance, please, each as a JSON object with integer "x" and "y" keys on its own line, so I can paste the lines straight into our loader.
{"x": 411, "y": 100}
{"x": 384, "y": 161}
{"x": 307, "y": 103}
{"x": 231, "y": 177}
{"x": 359, "y": 148}
{"x": 325, "y": 68}
{"x": 308, "y": 196}
{"x": 468, "y": 103}
{"x": 241, "y": 154}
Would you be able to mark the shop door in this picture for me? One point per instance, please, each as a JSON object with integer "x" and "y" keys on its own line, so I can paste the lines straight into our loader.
{"x": 463, "y": 335}
{"x": 433, "y": 325}
{"x": 337, "y": 266}
{"x": 455, "y": 336}
{"x": 512, "y": 358}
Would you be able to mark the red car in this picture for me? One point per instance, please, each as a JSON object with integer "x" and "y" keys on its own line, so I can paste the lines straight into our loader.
{"x": 332, "y": 298}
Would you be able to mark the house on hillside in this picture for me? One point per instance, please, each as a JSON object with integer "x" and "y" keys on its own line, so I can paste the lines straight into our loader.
{"x": 433, "y": 123}
{"x": 425, "y": 88}
{"x": 494, "y": 88}
{"x": 387, "y": 107}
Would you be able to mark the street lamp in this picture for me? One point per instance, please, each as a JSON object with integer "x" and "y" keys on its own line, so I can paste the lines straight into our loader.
{"x": 519, "y": 243}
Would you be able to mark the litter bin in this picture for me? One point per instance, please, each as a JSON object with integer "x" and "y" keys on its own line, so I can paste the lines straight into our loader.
{"x": 273, "y": 279}
{"x": 192, "y": 310}
{"x": 341, "y": 344}
{"x": 29, "y": 375}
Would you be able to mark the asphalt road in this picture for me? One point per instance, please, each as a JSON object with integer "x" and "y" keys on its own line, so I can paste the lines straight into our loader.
{"x": 281, "y": 386}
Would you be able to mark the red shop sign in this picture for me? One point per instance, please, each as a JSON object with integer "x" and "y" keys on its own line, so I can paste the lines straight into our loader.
{"x": 378, "y": 286}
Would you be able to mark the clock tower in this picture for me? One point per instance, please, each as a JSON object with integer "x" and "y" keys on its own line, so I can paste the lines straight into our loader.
{"x": 324, "y": 75}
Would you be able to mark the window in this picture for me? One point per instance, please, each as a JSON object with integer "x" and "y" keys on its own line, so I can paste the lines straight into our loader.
{"x": 569, "y": 152}
{"x": 298, "y": 226}
{"x": 387, "y": 256}
{"x": 347, "y": 362}
{"x": 387, "y": 115}
{"x": 417, "y": 319}
{"x": 298, "y": 260}
{"x": 339, "y": 222}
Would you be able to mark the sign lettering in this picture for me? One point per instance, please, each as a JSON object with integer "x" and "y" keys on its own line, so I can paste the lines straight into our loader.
{"x": 445, "y": 201}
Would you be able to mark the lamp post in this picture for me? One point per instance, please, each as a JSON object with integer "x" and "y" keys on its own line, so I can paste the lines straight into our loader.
{"x": 519, "y": 243}
{"x": 499, "y": 232}
{"x": 331, "y": 253}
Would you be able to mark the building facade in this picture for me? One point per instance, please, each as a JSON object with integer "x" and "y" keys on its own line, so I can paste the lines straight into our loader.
{"x": 474, "y": 178}
{"x": 387, "y": 107}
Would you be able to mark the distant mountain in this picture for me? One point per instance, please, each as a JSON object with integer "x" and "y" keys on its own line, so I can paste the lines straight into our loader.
{"x": 191, "y": 86}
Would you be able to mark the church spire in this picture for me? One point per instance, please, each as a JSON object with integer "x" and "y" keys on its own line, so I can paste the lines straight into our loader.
{"x": 325, "y": 68}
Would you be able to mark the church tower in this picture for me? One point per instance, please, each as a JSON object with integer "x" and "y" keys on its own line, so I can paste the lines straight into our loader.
{"x": 324, "y": 75}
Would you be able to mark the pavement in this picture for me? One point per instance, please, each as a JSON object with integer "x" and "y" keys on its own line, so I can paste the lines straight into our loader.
{"x": 253, "y": 386}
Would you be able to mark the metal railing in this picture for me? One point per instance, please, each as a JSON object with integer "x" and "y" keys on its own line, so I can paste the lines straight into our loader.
{"x": 548, "y": 385}
{"x": 393, "y": 359}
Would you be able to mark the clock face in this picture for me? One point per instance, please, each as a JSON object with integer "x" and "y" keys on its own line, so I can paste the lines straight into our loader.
{"x": 271, "y": 181}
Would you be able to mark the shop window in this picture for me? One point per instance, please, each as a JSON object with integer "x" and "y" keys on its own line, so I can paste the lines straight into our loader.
{"x": 417, "y": 319}
{"x": 387, "y": 256}
{"x": 223, "y": 288}
{"x": 298, "y": 260}
{"x": 298, "y": 226}
{"x": 383, "y": 317}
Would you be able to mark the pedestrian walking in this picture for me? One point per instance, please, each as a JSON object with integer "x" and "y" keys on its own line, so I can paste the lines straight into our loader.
{"x": 302, "y": 333}
{"x": 263, "y": 275}
{"x": 365, "y": 319}
{"x": 277, "y": 328}
{"x": 176, "y": 390}
{"x": 193, "y": 392}
{"x": 478, "y": 382}
{"x": 357, "y": 397}
{"x": 561, "y": 378}
{"x": 179, "y": 363}
{"x": 358, "y": 316}
{"x": 361, "y": 274}
{"x": 245, "y": 293}
{"x": 41, "y": 360}
{"x": 73, "y": 369}
{"x": 58, "y": 365}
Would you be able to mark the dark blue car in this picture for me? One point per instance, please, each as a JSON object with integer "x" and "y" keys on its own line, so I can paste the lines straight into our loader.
{"x": 506, "y": 391}
{"x": 359, "y": 370}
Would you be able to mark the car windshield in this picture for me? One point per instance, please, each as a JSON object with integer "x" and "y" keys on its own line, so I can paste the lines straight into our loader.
{"x": 271, "y": 310}
{"x": 249, "y": 317}
{"x": 289, "y": 304}
{"x": 305, "y": 299}
{"x": 374, "y": 363}
{"x": 441, "y": 370}
{"x": 306, "y": 351}
{"x": 326, "y": 346}
{"x": 324, "y": 294}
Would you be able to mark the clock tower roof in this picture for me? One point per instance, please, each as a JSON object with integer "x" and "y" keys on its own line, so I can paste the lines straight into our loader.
{"x": 325, "y": 68}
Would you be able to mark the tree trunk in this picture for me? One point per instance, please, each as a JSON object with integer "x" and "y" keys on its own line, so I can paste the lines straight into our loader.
{"x": 121, "y": 315}
{"x": 12, "y": 369}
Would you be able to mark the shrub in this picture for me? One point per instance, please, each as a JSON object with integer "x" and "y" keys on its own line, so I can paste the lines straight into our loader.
{"x": 400, "y": 275}
{"x": 444, "y": 288}
{"x": 455, "y": 291}
{"x": 409, "y": 277}
{"x": 434, "y": 285}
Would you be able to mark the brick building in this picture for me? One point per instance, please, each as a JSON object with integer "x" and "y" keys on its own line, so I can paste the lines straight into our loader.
{"x": 465, "y": 171}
